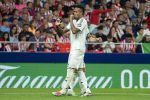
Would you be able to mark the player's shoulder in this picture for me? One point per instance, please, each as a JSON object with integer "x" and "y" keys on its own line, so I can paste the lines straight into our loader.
{"x": 83, "y": 20}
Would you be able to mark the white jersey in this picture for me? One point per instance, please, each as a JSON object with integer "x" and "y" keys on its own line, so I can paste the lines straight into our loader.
{"x": 78, "y": 40}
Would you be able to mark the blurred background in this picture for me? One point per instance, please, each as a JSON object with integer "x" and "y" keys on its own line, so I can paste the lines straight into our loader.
{"x": 116, "y": 26}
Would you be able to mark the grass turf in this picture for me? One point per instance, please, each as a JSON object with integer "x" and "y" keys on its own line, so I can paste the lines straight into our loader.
{"x": 98, "y": 94}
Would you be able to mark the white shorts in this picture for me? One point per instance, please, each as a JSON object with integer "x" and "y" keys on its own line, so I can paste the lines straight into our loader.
{"x": 76, "y": 59}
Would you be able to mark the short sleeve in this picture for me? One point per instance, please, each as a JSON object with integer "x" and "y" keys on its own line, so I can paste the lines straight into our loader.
{"x": 82, "y": 24}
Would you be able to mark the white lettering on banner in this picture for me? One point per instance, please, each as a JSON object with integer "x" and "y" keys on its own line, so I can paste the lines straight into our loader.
{"x": 123, "y": 74}
{"x": 24, "y": 80}
{"x": 59, "y": 79}
{"x": 51, "y": 79}
{"x": 102, "y": 82}
{"x": 93, "y": 79}
{"x": 146, "y": 72}
{"x": 5, "y": 79}
{"x": 35, "y": 82}
{"x": 5, "y": 68}
{"x": 44, "y": 81}
{"x": 12, "y": 78}
{"x": 99, "y": 82}
{"x": 96, "y": 82}
{"x": 109, "y": 79}
{"x": 127, "y": 81}
{"x": 10, "y": 81}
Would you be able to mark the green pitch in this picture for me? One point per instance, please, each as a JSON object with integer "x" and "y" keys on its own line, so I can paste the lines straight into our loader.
{"x": 98, "y": 94}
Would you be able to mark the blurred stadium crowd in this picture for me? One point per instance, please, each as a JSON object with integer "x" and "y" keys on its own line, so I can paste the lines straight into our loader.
{"x": 116, "y": 26}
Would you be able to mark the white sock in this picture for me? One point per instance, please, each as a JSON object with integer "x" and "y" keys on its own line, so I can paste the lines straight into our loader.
{"x": 72, "y": 82}
{"x": 82, "y": 90}
{"x": 68, "y": 80}
{"x": 83, "y": 82}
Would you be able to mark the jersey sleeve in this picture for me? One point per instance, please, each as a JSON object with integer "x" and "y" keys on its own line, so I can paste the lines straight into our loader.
{"x": 82, "y": 24}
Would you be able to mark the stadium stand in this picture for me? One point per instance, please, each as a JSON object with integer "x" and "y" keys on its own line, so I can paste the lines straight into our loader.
{"x": 116, "y": 26}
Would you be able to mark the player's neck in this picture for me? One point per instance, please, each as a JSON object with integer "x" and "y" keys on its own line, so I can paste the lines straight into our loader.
{"x": 78, "y": 18}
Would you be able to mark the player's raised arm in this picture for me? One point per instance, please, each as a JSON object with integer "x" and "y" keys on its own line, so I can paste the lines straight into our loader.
{"x": 77, "y": 15}
{"x": 73, "y": 28}
{"x": 61, "y": 27}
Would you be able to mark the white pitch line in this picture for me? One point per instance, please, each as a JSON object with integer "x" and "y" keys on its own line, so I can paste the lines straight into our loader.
{"x": 43, "y": 93}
